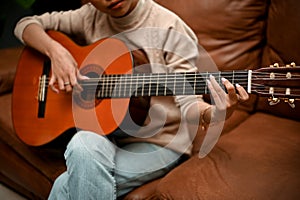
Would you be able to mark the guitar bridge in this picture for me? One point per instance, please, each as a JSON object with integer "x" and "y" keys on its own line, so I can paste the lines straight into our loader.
{"x": 42, "y": 90}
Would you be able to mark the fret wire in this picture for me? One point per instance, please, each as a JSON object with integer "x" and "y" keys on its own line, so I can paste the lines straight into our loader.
{"x": 183, "y": 88}
{"x": 115, "y": 87}
{"x": 109, "y": 92}
{"x": 206, "y": 83}
{"x": 195, "y": 83}
{"x": 166, "y": 79}
{"x": 174, "y": 86}
{"x": 102, "y": 88}
{"x": 110, "y": 85}
{"x": 157, "y": 84}
{"x": 149, "y": 89}
{"x": 190, "y": 89}
{"x": 122, "y": 84}
{"x": 130, "y": 89}
{"x": 136, "y": 88}
{"x": 106, "y": 87}
{"x": 143, "y": 85}
{"x": 118, "y": 86}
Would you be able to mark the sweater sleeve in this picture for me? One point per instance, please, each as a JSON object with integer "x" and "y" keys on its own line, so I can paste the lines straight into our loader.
{"x": 69, "y": 22}
{"x": 182, "y": 55}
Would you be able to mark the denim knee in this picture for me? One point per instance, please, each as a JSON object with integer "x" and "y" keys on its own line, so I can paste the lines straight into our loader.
{"x": 87, "y": 147}
{"x": 90, "y": 165}
{"x": 60, "y": 188}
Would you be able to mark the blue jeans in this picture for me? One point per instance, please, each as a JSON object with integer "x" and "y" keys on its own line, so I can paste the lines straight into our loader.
{"x": 98, "y": 169}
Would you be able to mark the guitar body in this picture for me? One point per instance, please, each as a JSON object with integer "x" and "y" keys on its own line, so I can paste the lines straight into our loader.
{"x": 38, "y": 122}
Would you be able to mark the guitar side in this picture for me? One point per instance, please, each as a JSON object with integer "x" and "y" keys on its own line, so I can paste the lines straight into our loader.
{"x": 37, "y": 123}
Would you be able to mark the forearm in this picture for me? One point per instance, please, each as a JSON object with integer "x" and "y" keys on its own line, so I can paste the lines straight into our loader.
{"x": 63, "y": 65}
{"x": 30, "y": 30}
{"x": 36, "y": 37}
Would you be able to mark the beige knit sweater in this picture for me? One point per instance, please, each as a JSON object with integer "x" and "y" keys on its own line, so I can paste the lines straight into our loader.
{"x": 170, "y": 45}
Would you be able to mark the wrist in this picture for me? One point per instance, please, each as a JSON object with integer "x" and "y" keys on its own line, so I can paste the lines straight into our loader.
{"x": 205, "y": 117}
{"x": 52, "y": 48}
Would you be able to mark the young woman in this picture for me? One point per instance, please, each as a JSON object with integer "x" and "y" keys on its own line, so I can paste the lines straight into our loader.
{"x": 99, "y": 167}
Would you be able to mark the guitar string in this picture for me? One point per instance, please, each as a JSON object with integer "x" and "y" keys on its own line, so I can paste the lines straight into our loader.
{"x": 119, "y": 81}
{"x": 176, "y": 76}
{"x": 180, "y": 78}
{"x": 254, "y": 87}
{"x": 160, "y": 91}
{"x": 137, "y": 81}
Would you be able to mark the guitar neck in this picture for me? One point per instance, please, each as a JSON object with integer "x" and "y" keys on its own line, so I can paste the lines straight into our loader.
{"x": 161, "y": 84}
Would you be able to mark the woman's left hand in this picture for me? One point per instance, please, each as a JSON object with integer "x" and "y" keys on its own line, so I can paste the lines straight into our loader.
{"x": 225, "y": 103}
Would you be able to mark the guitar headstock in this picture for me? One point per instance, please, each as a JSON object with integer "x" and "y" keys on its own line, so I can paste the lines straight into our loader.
{"x": 278, "y": 82}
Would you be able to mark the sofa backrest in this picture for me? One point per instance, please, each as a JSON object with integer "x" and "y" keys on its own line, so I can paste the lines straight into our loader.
{"x": 232, "y": 32}
{"x": 283, "y": 32}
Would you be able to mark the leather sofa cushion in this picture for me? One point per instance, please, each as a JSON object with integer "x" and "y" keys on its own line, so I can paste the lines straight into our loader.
{"x": 261, "y": 162}
{"x": 231, "y": 123}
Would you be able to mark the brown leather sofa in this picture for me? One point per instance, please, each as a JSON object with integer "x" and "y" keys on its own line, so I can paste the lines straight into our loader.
{"x": 258, "y": 154}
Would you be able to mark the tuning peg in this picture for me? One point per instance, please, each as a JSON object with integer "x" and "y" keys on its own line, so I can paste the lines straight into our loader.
{"x": 274, "y": 65}
{"x": 291, "y": 102}
{"x": 293, "y": 64}
{"x": 273, "y": 101}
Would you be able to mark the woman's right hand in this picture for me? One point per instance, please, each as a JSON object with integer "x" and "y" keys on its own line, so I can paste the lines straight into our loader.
{"x": 64, "y": 69}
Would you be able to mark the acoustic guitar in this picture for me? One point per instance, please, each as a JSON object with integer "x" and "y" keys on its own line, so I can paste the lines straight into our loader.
{"x": 117, "y": 93}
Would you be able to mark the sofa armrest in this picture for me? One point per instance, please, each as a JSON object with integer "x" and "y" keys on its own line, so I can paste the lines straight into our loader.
{"x": 9, "y": 58}
{"x": 6, "y": 81}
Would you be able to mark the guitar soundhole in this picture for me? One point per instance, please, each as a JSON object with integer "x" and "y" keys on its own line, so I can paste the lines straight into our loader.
{"x": 87, "y": 98}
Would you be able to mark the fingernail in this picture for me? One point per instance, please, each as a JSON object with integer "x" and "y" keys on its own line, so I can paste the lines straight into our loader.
{"x": 223, "y": 79}
{"x": 237, "y": 85}
{"x": 208, "y": 83}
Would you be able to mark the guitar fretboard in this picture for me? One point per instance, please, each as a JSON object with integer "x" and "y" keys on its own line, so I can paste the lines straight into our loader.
{"x": 160, "y": 84}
